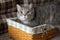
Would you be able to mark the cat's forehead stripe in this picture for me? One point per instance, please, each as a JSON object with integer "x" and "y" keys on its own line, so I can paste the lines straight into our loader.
{"x": 25, "y": 8}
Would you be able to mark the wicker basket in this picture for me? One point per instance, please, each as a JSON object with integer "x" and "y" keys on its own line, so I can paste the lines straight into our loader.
{"x": 19, "y": 32}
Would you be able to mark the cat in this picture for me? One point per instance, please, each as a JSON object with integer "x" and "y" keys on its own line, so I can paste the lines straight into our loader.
{"x": 45, "y": 14}
{"x": 25, "y": 13}
{"x": 49, "y": 13}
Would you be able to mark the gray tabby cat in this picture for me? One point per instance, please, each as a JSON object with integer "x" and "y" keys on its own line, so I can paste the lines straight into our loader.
{"x": 25, "y": 14}
{"x": 46, "y": 13}
{"x": 49, "y": 13}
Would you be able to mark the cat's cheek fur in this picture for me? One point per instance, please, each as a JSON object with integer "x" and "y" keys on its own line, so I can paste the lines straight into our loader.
{"x": 22, "y": 18}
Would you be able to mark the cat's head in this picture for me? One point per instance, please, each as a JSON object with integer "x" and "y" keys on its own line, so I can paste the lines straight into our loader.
{"x": 25, "y": 10}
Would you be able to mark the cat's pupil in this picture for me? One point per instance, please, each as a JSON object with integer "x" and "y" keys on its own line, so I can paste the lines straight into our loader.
{"x": 21, "y": 12}
{"x": 27, "y": 11}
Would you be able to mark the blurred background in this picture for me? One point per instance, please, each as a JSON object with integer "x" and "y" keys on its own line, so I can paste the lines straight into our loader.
{"x": 49, "y": 11}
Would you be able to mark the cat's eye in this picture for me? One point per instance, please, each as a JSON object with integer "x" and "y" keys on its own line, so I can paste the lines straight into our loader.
{"x": 27, "y": 11}
{"x": 21, "y": 12}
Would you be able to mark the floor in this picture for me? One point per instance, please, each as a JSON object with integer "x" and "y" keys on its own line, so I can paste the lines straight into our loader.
{"x": 5, "y": 37}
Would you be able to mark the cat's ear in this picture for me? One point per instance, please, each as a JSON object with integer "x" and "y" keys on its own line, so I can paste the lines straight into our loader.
{"x": 30, "y": 6}
{"x": 18, "y": 7}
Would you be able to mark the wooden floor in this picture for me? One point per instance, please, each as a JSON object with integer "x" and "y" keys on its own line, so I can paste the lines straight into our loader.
{"x": 5, "y": 37}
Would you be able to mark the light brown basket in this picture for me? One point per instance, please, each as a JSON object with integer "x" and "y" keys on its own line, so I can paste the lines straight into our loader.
{"x": 18, "y": 34}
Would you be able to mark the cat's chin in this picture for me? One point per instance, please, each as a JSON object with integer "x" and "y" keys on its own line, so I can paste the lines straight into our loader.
{"x": 26, "y": 22}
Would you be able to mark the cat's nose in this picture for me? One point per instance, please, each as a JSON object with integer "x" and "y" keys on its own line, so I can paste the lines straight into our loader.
{"x": 24, "y": 16}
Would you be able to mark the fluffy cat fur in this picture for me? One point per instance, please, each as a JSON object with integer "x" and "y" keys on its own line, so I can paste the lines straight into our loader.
{"x": 47, "y": 14}
{"x": 25, "y": 14}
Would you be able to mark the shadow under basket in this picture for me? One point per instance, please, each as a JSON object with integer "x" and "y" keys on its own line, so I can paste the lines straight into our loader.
{"x": 19, "y": 31}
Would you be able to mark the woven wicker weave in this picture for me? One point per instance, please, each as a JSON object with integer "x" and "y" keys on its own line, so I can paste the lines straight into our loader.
{"x": 19, "y": 31}
{"x": 18, "y": 34}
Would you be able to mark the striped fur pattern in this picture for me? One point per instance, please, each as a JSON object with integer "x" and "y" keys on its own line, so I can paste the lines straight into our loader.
{"x": 47, "y": 11}
{"x": 26, "y": 14}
